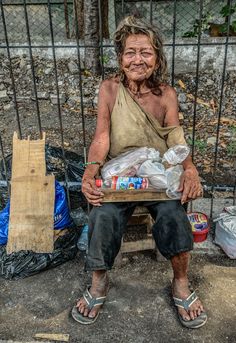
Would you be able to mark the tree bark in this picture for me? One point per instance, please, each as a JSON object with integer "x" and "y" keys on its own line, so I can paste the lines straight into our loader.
{"x": 105, "y": 23}
{"x": 91, "y": 36}
{"x": 87, "y": 14}
{"x": 78, "y": 14}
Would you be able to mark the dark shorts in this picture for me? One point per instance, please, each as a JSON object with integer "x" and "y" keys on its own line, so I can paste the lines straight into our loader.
{"x": 171, "y": 230}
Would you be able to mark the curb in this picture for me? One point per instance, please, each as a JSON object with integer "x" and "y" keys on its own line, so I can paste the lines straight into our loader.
{"x": 208, "y": 247}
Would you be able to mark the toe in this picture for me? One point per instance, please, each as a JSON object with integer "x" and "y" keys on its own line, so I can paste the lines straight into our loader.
{"x": 191, "y": 314}
{"x": 94, "y": 311}
{"x": 81, "y": 308}
{"x": 199, "y": 312}
{"x": 184, "y": 314}
{"x": 92, "y": 314}
{"x": 86, "y": 312}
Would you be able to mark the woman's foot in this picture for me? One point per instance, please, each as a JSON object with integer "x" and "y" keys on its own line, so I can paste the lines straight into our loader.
{"x": 180, "y": 290}
{"x": 98, "y": 289}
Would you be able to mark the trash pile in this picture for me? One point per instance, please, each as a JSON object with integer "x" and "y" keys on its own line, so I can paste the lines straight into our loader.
{"x": 162, "y": 173}
{"x": 66, "y": 232}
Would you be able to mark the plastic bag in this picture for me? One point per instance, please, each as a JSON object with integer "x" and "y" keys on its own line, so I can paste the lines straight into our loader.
{"x": 225, "y": 233}
{"x": 4, "y": 220}
{"x": 146, "y": 162}
{"x": 177, "y": 154}
{"x": 26, "y": 263}
{"x": 173, "y": 175}
{"x": 3, "y": 197}
{"x": 80, "y": 216}
{"x": 62, "y": 218}
{"x": 128, "y": 163}
{"x": 54, "y": 164}
{"x": 155, "y": 172}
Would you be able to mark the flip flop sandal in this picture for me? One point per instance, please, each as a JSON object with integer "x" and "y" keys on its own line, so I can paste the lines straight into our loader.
{"x": 186, "y": 303}
{"x": 91, "y": 303}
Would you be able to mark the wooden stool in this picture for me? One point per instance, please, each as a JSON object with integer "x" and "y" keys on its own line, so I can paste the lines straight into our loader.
{"x": 140, "y": 216}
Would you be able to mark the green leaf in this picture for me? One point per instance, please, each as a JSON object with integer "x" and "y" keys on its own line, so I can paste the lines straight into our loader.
{"x": 233, "y": 26}
{"x": 226, "y": 10}
{"x": 223, "y": 28}
{"x": 190, "y": 34}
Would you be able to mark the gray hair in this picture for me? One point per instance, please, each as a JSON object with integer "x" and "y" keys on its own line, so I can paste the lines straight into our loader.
{"x": 133, "y": 25}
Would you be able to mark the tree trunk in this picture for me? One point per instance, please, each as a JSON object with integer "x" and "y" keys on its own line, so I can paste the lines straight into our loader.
{"x": 78, "y": 17}
{"x": 91, "y": 36}
{"x": 105, "y": 23}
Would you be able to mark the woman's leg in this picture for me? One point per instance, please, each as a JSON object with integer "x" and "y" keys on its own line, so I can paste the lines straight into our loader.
{"x": 173, "y": 235}
{"x": 106, "y": 227}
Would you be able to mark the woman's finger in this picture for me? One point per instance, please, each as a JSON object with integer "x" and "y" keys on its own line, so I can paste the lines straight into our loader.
{"x": 181, "y": 184}
{"x": 192, "y": 192}
{"x": 92, "y": 196}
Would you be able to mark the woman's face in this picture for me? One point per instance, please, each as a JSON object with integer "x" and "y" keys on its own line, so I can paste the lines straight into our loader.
{"x": 139, "y": 59}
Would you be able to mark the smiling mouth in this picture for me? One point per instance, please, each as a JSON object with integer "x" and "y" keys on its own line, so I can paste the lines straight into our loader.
{"x": 137, "y": 68}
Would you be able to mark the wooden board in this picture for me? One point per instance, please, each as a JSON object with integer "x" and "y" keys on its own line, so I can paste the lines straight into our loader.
{"x": 143, "y": 244}
{"x": 28, "y": 157}
{"x": 32, "y": 199}
{"x": 53, "y": 336}
{"x": 111, "y": 195}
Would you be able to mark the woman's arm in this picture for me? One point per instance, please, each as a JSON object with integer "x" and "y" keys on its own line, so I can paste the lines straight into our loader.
{"x": 99, "y": 147}
{"x": 190, "y": 184}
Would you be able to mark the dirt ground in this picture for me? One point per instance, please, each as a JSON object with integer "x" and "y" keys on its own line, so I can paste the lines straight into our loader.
{"x": 138, "y": 309}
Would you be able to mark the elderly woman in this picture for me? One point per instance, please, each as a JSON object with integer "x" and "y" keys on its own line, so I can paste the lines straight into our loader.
{"x": 137, "y": 109}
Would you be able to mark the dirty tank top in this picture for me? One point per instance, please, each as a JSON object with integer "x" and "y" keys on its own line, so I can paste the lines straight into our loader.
{"x": 132, "y": 127}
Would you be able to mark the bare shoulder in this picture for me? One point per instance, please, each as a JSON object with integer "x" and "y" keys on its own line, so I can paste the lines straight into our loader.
{"x": 170, "y": 103}
{"x": 108, "y": 91}
{"x": 109, "y": 85}
{"x": 168, "y": 92}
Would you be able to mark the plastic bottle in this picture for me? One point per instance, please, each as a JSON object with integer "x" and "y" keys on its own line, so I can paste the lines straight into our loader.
{"x": 123, "y": 182}
{"x": 82, "y": 243}
{"x": 103, "y": 183}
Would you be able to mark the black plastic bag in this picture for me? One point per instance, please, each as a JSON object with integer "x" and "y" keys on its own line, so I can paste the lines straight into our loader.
{"x": 26, "y": 263}
{"x": 3, "y": 197}
{"x": 54, "y": 164}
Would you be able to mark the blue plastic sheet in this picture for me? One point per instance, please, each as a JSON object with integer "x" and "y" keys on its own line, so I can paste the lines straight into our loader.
{"x": 4, "y": 220}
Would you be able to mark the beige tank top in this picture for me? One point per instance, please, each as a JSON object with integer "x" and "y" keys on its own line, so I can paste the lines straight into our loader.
{"x": 132, "y": 127}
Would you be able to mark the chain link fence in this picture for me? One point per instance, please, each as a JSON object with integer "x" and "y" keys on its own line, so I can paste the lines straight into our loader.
{"x": 45, "y": 84}
{"x": 159, "y": 12}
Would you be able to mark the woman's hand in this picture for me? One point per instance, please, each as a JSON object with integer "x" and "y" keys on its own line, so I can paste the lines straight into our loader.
{"x": 190, "y": 185}
{"x": 91, "y": 192}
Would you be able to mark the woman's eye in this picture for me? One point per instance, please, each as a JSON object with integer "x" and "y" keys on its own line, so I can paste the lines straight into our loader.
{"x": 129, "y": 53}
{"x": 146, "y": 54}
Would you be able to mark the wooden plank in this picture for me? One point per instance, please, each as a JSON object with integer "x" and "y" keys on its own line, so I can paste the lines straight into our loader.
{"x": 32, "y": 199}
{"x": 53, "y": 336}
{"x": 143, "y": 244}
{"x": 139, "y": 219}
{"x": 31, "y": 214}
{"x": 111, "y": 195}
{"x": 28, "y": 157}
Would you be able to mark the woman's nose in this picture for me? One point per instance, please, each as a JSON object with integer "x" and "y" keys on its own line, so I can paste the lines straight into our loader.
{"x": 138, "y": 58}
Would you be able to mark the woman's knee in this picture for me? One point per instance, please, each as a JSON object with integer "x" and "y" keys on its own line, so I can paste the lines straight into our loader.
{"x": 104, "y": 214}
